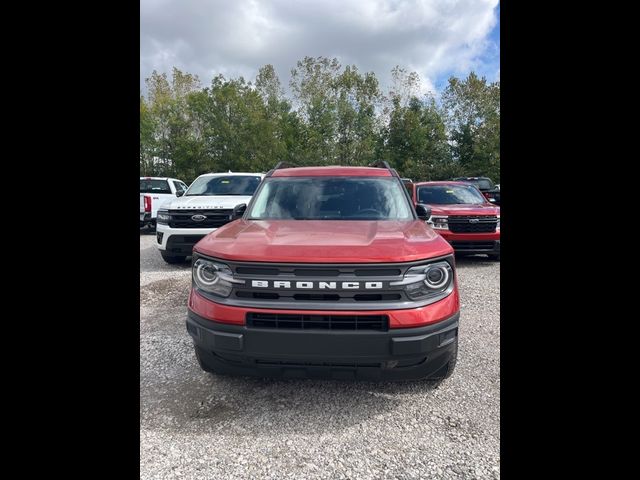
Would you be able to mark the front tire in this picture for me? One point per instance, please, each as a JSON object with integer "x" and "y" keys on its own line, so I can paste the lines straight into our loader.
{"x": 172, "y": 259}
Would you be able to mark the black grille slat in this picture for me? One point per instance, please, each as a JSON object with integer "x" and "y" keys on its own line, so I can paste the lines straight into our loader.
{"x": 473, "y": 245}
{"x": 317, "y": 364}
{"x": 318, "y": 272}
{"x": 257, "y": 271}
{"x": 473, "y": 223}
{"x": 372, "y": 297}
{"x": 215, "y": 218}
{"x": 308, "y": 272}
{"x": 377, "y": 272}
{"x": 466, "y": 218}
{"x": 263, "y": 295}
{"x": 472, "y": 228}
{"x": 323, "y": 322}
{"x": 321, "y": 297}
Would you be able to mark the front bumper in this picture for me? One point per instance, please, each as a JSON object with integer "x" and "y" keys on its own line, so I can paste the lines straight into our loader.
{"x": 179, "y": 241}
{"x": 145, "y": 218}
{"x": 398, "y": 354}
{"x": 473, "y": 242}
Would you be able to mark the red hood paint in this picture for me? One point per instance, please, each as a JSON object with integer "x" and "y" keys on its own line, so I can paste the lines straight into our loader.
{"x": 484, "y": 209}
{"x": 324, "y": 241}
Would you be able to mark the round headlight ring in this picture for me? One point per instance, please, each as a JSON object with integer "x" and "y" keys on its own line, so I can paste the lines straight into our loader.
{"x": 204, "y": 274}
{"x": 442, "y": 276}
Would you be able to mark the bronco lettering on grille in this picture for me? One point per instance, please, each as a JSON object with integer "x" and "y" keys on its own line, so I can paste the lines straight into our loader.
{"x": 315, "y": 285}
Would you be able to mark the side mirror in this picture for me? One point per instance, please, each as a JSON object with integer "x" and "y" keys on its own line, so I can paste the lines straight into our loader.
{"x": 423, "y": 211}
{"x": 238, "y": 211}
{"x": 179, "y": 193}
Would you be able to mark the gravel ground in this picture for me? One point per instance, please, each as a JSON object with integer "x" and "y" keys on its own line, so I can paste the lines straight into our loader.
{"x": 195, "y": 425}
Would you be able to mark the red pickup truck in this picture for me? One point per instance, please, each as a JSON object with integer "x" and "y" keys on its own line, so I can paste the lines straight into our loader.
{"x": 331, "y": 272}
{"x": 462, "y": 215}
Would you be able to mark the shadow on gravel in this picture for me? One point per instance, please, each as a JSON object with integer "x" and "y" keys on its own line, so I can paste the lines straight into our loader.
{"x": 147, "y": 231}
{"x": 195, "y": 401}
{"x": 475, "y": 260}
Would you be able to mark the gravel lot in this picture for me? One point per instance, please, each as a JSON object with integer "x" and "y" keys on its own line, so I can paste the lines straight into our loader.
{"x": 194, "y": 425}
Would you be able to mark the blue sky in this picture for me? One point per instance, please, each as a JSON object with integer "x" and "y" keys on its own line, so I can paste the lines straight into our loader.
{"x": 487, "y": 63}
{"x": 435, "y": 38}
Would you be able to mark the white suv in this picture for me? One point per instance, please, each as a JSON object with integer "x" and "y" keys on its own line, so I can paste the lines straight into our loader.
{"x": 207, "y": 205}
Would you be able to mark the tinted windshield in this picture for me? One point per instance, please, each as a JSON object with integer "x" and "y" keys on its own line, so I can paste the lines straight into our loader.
{"x": 450, "y": 194}
{"x": 154, "y": 186}
{"x": 322, "y": 198}
{"x": 481, "y": 183}
{"x": 231, "y": 185}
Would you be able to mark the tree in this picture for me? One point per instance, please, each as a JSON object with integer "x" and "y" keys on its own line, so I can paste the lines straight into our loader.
{"x": 473, "y": 117}
{"x": 173, "y": 132}
{"x": 334, "y": 115}
{"x": 415, "y": 141}
{"x": 357, "y": 97}
{"x": 147, "y": 138}
{"x": 312, "y": 85}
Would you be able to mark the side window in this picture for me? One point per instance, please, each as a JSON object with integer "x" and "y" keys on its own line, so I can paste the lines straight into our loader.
{"x": 184, "y": 186}
{"x": 180, "y": 187}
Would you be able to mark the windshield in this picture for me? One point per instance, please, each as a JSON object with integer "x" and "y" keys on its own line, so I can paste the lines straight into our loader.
{"x": 231, "y": 185}
{"x": 449, "y": 195}
{"x": 154, "y": 186}
{"x": 322, "y": 198}
{"x": 481, "y": 183}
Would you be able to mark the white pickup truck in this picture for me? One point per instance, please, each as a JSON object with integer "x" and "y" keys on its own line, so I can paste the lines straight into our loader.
{"x": 155, "y": 192}
{"x": 207, "y": 205}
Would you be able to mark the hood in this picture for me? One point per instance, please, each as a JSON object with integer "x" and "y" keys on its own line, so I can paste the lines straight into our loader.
{"x": 208, "y": 202}
{"x": 324, "y": 241}
{"x": 484, "y": 209}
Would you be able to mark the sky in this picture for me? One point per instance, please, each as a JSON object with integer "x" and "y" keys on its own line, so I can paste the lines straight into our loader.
{"x": 435, "y": 38}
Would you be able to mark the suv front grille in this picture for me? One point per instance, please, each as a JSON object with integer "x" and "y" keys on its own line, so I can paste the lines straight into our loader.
{"x": 462, "y": 246}
{"x": 473, "y": 223}
{"x": 214, "y": 218}
{"x": 378, "y": 323}
{"x": 317, "y": 286}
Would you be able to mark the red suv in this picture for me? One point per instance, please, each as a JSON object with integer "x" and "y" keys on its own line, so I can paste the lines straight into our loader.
{"x": 462, "y": 215}
{"x": 330, "y": 271}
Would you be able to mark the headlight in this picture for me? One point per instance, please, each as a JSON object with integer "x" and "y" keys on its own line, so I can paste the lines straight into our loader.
{"x": 213, "y": 277}
{"x": 163, "y": 217}
{"x": 498, "y": 224}
{"x": 440, "y": 222}
{"x": 428, "y": 281}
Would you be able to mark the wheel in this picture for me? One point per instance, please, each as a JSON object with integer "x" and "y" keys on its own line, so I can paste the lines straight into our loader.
{"x": 446, "y": 371}
{"x": 172, "y": 259}
{"x": 494, "y": 256}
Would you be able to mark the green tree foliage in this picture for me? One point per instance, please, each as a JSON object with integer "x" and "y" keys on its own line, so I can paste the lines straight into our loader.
{"x": 334, "y": 116}
{"x": 472, "y": 108}
{"x": 414, "y": 138}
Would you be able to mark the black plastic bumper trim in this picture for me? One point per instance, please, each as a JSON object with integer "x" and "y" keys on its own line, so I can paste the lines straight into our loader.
{"x": 182, "y": 244}
{"x": 248, "y": 351}
{"x": 494, "y": 250}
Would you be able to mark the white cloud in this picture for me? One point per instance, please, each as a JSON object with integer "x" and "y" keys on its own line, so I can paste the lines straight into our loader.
{"x": 207, "y": 37}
